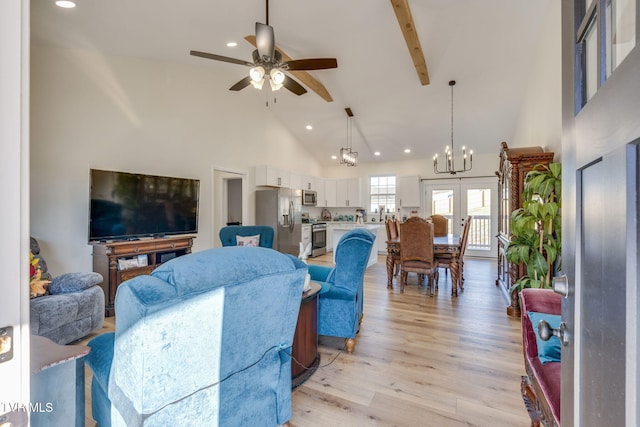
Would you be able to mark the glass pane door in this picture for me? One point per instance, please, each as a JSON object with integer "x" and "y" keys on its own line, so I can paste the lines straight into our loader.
{"x": 480, "y": 201}
{"x": 442, "y": 202}
{"x": 456, "y": 201}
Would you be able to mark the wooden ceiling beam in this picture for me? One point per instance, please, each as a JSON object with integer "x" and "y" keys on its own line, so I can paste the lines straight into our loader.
{"x": 306, "y": 78}
{"x": 405, "y": 20}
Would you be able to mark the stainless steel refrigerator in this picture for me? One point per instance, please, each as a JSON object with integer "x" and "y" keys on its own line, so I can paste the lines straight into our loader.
{"x": 281, "y": 208}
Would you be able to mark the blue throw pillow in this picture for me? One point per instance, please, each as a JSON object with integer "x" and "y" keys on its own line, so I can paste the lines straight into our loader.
{"x": 548, "y": 351}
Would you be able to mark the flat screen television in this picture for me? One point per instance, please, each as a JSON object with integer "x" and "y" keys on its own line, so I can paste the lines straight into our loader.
{"x": 129, "y": 205}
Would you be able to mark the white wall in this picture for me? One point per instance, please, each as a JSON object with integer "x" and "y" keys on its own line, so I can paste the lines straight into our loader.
{"x": 136, "y": 115}
{"x": 540, "y": 118}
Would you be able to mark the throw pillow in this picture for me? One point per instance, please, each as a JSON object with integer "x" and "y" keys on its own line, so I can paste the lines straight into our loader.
{"x": 253, "y": 241}
{"x": 37, "y": 284}
{"x": 548, "y": 351}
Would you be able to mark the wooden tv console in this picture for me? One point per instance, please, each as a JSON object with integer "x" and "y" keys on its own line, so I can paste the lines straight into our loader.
{"x": 116, "y": 260}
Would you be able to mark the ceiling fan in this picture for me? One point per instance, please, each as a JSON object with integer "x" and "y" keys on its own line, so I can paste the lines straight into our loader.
{"x": 268, "y": 63}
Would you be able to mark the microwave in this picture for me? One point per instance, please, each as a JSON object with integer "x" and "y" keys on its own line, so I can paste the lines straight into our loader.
{"x": 309, "y": 198}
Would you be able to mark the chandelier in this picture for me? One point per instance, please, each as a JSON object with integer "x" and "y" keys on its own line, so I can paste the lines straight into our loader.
{"x": 449, "y": 161}
{"x": 347, "y": 155}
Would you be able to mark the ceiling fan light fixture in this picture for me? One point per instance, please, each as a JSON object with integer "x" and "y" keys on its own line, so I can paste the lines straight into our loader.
{"x": 274, "y": 86}
{"x": 256, "y": 74}
{"x": 258, "y": 84}
{"x": 277, "y": 76}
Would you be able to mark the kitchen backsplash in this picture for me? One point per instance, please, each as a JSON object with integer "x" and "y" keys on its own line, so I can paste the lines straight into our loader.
{"x": 349, "y": 214}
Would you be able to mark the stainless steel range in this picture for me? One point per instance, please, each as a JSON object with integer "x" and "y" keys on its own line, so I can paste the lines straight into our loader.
{"x": 318, "y": 239}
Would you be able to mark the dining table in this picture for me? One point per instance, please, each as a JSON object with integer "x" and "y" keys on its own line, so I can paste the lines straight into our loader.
{"x": 448, "y": 246}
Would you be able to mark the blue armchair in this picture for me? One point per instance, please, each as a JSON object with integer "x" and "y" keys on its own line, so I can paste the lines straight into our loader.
{"x": 228, "y": 234}
{"x": 202, "y": 341}
{"x": 341, "y": 296}
{"x": 73, "y": 308}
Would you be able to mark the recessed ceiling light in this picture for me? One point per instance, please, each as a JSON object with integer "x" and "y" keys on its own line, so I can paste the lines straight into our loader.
{"x": 232, "y": 44}
{"x": 66, "y": 4}
{"x": 377, "y": 153}
{"x": 407, "y": 150}
{"x": 309, "y": 127}
{"x": 334, "y": 157}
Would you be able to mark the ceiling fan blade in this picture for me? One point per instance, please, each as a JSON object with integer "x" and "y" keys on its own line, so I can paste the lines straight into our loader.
{"x": 265, "y": 40}
{"x": 405, "y": 20}
{"x": 221, "y": 58}
{"x": 306, "y": 78}
{"x": 310, "y": 64}
{"x": 241, "y": 84}
{"x": 294, "y": 86}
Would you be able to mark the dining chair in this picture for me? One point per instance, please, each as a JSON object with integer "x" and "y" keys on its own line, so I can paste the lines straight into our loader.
{"x": 393, "y": 233}
{"x": 464, "y": 242}
{"x": 444, "y": 260}
{"x": 440, "y": 225}
{"x": 416, "y": 252}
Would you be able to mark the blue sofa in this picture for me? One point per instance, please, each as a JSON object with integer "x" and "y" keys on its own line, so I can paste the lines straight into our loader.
{"x": 341, "y": 296}
{"x": 204, "y": 340}
{"x": 228, "y": 234}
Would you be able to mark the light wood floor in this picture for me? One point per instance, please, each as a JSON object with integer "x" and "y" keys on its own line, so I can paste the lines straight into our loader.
{"x": 418, "y": 360}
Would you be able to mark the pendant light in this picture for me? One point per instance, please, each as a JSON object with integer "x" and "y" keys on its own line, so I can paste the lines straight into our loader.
{"x": 347, "y": 155}
{"x": 449, "y": 161}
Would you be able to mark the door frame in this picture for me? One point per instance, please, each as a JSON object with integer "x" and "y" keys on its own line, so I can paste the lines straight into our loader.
{"x": 219, "y": 176}
{"x": 14, "y": 171}
{"x": 461, "y": 185}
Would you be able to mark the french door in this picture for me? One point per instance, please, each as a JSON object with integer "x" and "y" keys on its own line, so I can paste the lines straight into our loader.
{"x": 457, "y": 199}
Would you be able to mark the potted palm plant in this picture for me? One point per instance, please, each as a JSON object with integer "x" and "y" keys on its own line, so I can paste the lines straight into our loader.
{"x": 536, "y": 229}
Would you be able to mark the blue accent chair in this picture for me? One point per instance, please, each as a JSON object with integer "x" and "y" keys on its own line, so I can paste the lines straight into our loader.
{"x": 228, "y": 234}
{"x": 341, "y": 296}
{"x": 205, "y": 340}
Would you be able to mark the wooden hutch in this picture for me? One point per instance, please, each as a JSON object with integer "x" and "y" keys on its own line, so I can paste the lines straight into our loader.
{"x": 514, "y": 165}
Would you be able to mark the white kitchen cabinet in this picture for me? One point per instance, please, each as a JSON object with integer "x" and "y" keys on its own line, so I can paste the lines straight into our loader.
{"x": 348, "y": 193}
{"x": 272, "y": 177}
{"x": 295, "y": 181}
{"x": 381, "y": 239}
{"x": 408, "y": 192}
{"x": 319, "y": 187}
{"x": 330, "y": 192}
{"x": 329, "y": 237}
{"x": 308, "y": 182}
{"x": 306, "y": 234}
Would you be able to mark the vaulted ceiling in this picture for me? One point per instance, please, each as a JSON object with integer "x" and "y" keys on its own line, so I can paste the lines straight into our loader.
{"x": 487, "y": 46}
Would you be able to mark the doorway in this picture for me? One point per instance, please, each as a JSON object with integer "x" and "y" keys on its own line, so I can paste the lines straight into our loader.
{"x": 228, "y": 200}
{"x": 456, "y": 199}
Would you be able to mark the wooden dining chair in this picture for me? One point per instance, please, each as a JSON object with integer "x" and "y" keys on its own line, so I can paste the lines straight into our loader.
{"x": 464, "y": 242}
{"x": 440, "y": 225}
{"x": 416, "y": 252}
{"x": 444, "y": 260}
{"x": 393, "y": 233}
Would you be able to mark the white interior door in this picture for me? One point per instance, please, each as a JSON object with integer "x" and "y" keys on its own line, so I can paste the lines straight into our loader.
{"x": 457, "y": 199}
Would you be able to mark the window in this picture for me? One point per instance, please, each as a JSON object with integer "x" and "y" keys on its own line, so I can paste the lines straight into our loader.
{"x": 606, "y": 35}
{"x": 382, "y": 189}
